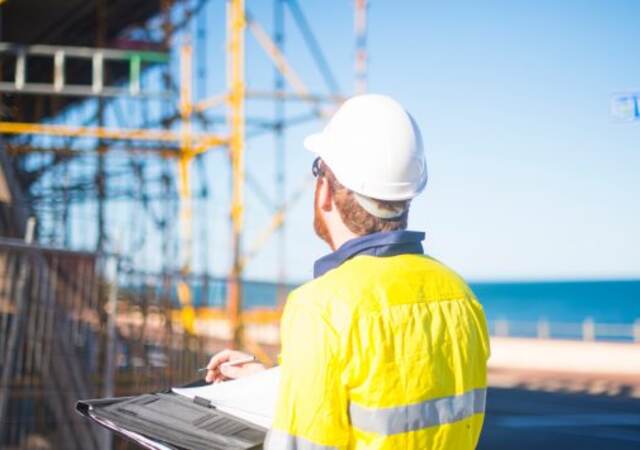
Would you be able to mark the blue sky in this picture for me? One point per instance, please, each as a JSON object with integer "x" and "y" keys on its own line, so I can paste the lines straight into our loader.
{"x": 530, "y": 177}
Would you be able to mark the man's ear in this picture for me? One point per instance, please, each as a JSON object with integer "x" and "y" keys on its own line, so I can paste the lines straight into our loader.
{"x": 325, "y": 195}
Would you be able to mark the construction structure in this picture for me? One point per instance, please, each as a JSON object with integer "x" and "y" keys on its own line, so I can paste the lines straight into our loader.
{"x": 109, "y": 126}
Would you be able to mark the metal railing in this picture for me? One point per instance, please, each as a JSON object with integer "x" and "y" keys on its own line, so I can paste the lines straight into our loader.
{"x": 587, "y": 330}
{"x": 60, "y": 57}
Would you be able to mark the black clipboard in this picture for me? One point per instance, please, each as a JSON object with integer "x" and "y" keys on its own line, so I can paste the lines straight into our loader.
{"x": 169, "y": 421}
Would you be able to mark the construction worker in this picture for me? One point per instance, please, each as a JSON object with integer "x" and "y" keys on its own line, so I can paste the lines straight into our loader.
{"x": 386, "y": 348}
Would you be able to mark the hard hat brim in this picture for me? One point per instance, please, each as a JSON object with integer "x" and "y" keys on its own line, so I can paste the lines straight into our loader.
{"x": 313, "y": 143}
{"x": 320, "y": 145}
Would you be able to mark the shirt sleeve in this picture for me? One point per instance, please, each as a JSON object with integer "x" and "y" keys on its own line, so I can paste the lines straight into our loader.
{"x": 311, "y": 410}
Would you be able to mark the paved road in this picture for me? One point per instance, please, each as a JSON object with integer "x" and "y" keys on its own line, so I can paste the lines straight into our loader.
{"x": 527, "y": 420}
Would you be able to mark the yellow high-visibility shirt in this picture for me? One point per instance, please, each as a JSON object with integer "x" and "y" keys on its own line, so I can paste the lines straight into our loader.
{"x": 382, "y": 353}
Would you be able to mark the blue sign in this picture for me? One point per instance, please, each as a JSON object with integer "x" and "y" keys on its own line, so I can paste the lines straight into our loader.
{"x": 625, "y": 107}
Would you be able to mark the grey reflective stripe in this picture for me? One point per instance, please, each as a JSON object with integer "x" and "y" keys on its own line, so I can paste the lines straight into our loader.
{"x": 279, "y": 440}
{"x": 402, "y": 419}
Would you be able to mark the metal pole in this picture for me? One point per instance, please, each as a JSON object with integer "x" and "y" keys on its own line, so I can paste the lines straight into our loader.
{"x": 184, "y": 162}
{"x": 278, "y": 87}
{"x": 360, "y": 27}
{"x": 636, "y": 330}
{"x": 169, "y": 205}
{"x": 184, "y": 190}
{"x": 111, "y": 274}
{"x": 502, "y": 328}
{"x": 543, "y": 329}
{"x": 588, "y": 329}
{"x": 236, "y": 27}
{"x": 313, "y": 46}
{"x": 106, "y": 439}
{"x": 98, "y": 73}
{"x": 203, "y": 210}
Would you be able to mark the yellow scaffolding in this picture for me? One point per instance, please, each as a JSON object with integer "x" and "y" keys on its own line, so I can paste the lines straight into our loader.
{"x": 202, "y": 142}
{"x": 235, "y": 26}
{"x": 184, "y": 188}
{"x": 192, "y": 144}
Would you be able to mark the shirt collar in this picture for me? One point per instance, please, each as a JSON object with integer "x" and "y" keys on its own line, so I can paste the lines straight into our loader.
{"x": 383, "y": 243}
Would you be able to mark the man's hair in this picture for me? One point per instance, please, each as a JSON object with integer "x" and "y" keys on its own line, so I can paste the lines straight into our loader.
{"x": 355, "y": 217}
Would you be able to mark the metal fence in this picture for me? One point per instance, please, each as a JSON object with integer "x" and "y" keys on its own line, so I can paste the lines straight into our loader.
{"x": 67, "y": 332}
{"x": 587, "y": 330}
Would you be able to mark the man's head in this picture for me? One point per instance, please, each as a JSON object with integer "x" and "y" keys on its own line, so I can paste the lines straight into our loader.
{"x": 338, "y": 212}
{"x": 370, "y": 165}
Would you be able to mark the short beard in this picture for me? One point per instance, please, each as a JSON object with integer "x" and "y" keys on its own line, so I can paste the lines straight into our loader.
{"x": 319, "y": 224}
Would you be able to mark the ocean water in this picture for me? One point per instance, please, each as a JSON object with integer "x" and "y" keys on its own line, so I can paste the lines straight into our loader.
{"x": 557, "y": 301}
{"x": 554, "y": 309}
{"x": 561, "y": 301}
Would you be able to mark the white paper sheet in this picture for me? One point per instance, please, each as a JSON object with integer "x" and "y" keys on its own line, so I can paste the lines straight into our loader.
{"x": 251, "y": 398}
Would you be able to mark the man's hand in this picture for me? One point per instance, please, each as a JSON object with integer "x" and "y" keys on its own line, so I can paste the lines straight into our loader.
{"x": 218, "y": 371}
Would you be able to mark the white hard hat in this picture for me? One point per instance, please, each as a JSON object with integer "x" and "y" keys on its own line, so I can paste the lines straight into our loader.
{"x": 374, "y": 147}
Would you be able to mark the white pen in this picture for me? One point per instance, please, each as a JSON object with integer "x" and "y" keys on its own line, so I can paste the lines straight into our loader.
{"x": 235, "y": 362}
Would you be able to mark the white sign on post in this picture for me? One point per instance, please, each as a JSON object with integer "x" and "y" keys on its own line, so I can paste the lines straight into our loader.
{"x": 624, "y": 107}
